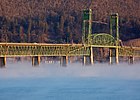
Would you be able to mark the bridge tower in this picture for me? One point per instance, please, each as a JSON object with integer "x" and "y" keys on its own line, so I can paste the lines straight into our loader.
{"x": 114, "y": 27}
{"x": 86, "y": 34}
{"x": 87, "y": 26}
{"x": 114, "y": 31}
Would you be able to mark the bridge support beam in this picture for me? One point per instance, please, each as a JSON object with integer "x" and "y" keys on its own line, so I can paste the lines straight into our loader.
{"x": 35, "y": 61}
{"x": 117, "y": 55}
{"x": 85, "y": 59}
{"x": 131, "y": 60}
{"x": 2, "y": 62}
{"x": 88, "y": 60}
{"x": 113, "y": 56}
{"x": 91, "y": 56}
{"x": 64, "y": 61}
{"x": 110, "y": 56}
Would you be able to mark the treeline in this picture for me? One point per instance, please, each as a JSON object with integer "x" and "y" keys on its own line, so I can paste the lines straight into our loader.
{"x": 60, "y": 21}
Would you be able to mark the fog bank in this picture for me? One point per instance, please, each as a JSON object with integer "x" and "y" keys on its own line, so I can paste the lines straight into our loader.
{"x": 25, "y": 70}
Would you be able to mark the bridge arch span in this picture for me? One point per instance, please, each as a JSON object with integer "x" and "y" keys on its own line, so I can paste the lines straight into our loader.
{"x": 103, "y": 39}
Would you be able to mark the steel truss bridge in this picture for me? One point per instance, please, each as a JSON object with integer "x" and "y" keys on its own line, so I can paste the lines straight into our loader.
{"x": 42, "y": 49}
{"x": 89, "y": 41}
{"x": 64, "y": 50}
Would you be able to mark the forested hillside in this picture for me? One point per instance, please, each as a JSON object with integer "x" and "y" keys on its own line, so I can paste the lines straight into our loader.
{"x": 60, "y": 21}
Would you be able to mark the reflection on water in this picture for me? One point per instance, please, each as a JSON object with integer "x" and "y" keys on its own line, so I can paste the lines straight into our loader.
{"x": 21, "y": 81}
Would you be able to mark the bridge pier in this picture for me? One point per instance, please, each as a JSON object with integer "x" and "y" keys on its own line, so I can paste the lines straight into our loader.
{"x": 35, "y": 60}
{"x": 64, "y": 61}
{"x": 131, "y": 59}
{"x": 117, "y": 55}
{"x": 91, "y": 56}
{"x": 88, "y": 60}
{"x": 113, "y": 56}
{"x": 2, "y": 62}
{"x": 110, "y": 56}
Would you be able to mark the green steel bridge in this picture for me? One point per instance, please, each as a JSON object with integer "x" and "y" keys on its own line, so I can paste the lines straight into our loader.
{"x": 86, "y": 48}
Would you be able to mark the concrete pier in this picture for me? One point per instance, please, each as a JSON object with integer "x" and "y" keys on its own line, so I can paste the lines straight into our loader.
{"x": 35, "y": 60}
{"x": 88, "y": 60}
{"x": 113, "y": 56}
{"x": 131, "y": 60}
{"x": 117, "y": 55}
{"x": 110, "y": 56}
{"x": 2, "y": 62}
{"x": 64, "y": 61}
{"x": 91, "y": 56}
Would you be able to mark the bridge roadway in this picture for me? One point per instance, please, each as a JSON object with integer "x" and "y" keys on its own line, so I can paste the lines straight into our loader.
{"x": 62, "y": 50}
{"x": 43, "y": 49}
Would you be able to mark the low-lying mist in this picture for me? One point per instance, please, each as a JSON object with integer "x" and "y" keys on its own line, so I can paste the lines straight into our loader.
{"x": 103, "y": 70}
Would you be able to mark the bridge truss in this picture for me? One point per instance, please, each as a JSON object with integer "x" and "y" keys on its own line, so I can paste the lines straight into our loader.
{"x": 41, "y": 49}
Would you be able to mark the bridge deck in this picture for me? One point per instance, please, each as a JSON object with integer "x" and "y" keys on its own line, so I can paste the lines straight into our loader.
{"x": 43, "y": 49}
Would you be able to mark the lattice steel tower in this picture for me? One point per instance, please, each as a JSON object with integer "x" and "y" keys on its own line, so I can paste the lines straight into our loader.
{"x": 87, "y": 26}
{"x": 114, "y": 31}
{"x": 114, "y": 27}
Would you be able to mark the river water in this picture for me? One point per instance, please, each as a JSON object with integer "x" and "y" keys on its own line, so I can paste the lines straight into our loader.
{"x": 21, "y": 81}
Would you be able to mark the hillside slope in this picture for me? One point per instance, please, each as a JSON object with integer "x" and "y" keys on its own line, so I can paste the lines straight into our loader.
{"x": 61, "y": 20}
